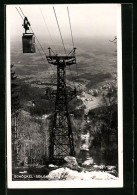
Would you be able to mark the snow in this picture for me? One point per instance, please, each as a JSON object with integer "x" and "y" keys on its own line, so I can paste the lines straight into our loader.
{"x": 23, "y": 172}
{"x": 88, "y": 162}
{"x": 68, "y": 174}
{"x": 108, "y": 168}
{"x": 52, "y": 166}
{"x": 85, "y": 137}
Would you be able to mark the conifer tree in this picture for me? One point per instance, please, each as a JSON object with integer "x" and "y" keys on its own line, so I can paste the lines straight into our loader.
{"x": 14, "y": 114}
{"x": 14, "y": 92}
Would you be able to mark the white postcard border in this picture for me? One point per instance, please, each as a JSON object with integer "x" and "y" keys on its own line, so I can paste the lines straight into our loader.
{"x": 66, "y": 184}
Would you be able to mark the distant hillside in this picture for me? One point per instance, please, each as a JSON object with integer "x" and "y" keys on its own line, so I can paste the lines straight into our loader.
{"x": 93, "y": 57}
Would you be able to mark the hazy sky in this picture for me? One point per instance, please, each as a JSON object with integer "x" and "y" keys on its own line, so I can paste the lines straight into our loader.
{"x": 87, "y": 20}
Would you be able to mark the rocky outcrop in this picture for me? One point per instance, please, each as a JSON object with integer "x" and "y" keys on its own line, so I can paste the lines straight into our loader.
{"x": 71, "y": 163}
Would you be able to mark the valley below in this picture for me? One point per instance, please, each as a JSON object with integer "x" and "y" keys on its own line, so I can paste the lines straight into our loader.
{"x": 93, "y": 113}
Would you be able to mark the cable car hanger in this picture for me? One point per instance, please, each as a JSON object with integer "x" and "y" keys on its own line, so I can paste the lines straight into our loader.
{"x": 26, "y": 24}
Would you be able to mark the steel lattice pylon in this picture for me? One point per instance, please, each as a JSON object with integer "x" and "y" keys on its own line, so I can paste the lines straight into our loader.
{"x": 61, "y": 136}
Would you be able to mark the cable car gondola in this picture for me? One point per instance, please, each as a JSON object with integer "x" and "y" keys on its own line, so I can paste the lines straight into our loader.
{"x": 28, "y": 39}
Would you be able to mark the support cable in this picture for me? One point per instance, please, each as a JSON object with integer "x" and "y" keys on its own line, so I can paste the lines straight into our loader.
{"x": 47, "y": 28}
{"x": 72, "y": 41}
{"x": 59, "y": 30}
{"x": 41, "y": 48}
{"x": 22, "y": 11}
{"x": 19, "y": 13}
{"x": 38, "y": 42}
{"x": 45, "y": 63}
{"x": 70, "y": 27}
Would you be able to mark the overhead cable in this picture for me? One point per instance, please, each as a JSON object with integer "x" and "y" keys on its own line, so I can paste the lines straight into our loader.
{"x": 22, "y": 12}
{"x": 70, "y": 27}
{"x": 72, "y": 41}
{"x": 47, "y": 28}
{"x": 59, "y": 31}
{"x": 19, "y": 13}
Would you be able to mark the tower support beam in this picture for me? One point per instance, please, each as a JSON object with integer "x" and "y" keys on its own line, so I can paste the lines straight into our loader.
{"x": 61, "y": 135}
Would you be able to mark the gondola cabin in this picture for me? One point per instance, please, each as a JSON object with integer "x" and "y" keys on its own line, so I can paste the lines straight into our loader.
{"x": 28, "y": 43}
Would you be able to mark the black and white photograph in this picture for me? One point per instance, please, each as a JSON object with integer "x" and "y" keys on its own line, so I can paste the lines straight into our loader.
{"x": 64, "y": 96}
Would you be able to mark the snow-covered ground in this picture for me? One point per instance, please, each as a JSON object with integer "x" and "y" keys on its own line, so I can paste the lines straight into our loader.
{"x": 68, "y": 174}
{"x": 90, "y": 101}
